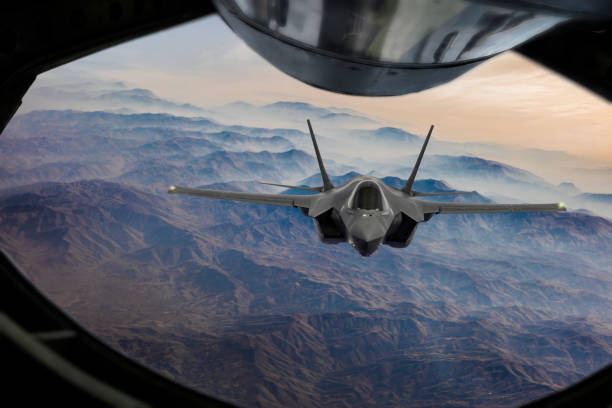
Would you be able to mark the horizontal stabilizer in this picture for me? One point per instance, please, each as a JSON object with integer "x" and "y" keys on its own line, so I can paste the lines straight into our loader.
{"x": 315, "y": 189}
{"x": 449, "y": 193}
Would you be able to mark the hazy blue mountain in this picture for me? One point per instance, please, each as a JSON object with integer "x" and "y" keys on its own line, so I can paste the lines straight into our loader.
{"x": 295, "y": 112}
{"x": 387, "y": 135}
{"x": 599, "y": 198}
{"x": 569, "y": 188}
{"x": 220, "y": 166}
{"x": 97, "y": 95}
{"x": 306, "y": 110}
{"x": 237, "y": 141}
{"x": 315, "y": 179}
{"x": 601, "y": 204}
{"x": 178, "y": 147}
{"x": 301, "y": 107}
{"x": 31, "y": 124}
{"x": 118, "y": 97}
{"x": 293, "y": 135}
{"x": 239, "y": 104}
{"x": 70, "y": 145}
{"x": 477, "y": 167}
{"x": 146, "y": 99}
{"x": 507, "y": 182}
{"x": 336, "y": 109}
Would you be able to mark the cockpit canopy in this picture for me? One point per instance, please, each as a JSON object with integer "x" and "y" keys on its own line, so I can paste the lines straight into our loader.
{"x": 368, "y": 197}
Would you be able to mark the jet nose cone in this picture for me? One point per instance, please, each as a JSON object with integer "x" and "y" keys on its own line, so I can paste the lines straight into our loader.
{"x": 367, "y": 230}
{"x": 366, "y": 235}
{"x": 366, "y": 248}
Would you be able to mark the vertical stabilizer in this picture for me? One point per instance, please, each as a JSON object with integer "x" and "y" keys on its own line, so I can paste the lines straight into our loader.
{"x": 408, "y": 187}
{"x": 327, "y": 184}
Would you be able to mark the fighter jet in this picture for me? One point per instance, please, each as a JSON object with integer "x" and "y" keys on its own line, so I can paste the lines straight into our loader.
{"x": 364, "y": 211}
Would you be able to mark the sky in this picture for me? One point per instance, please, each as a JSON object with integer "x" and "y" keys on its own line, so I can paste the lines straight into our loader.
{"x": 507, "y": 99}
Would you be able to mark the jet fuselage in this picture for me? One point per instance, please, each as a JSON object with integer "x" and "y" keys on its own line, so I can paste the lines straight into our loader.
{"x": 362, "y": 213}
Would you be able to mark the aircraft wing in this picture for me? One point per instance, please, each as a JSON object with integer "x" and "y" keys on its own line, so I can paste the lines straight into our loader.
{"x": 286, "y": 200}
{"x": 435, "y": 207}
{"x": 419, "y": 194}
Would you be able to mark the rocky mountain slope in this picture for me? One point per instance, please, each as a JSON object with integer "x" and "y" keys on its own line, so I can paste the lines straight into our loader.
{"x": 243, "y": 302}
{"x": 455, "y": 319}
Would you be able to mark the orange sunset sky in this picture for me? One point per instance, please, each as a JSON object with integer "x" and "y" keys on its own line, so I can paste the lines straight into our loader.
{"x": 508, "y": 99}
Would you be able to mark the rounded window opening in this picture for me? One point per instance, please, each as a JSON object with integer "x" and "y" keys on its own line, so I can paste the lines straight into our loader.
{"x": 147, "y": 271}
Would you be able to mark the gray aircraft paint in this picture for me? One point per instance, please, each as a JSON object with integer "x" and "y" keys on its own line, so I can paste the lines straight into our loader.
{"x": 339, "y": 218}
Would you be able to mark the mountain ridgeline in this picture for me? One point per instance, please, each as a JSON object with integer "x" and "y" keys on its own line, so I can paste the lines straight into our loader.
{"x": 243, "y": 302}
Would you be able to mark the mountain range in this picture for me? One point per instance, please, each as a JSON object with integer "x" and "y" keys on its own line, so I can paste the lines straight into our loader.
{"x": 295, "y": 112}
{"x": 480, "y": 310}
{"x": 105, "y": 145}
{"x": 387, "y": 135}
{"x": 243, "y": 302}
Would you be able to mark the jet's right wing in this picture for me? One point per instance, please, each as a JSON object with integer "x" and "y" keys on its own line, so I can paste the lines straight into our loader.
{"x": 435, "y": 207}
{"x": 303, "y": 201}
{"x": 419, "y": 194}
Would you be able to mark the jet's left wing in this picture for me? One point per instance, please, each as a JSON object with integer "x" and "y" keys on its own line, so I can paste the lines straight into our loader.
{"x": 317, "y": 189}
{"x": 303, "y": 201}
{"x": 435, "y": 207}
